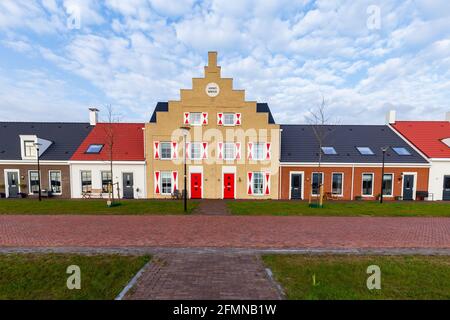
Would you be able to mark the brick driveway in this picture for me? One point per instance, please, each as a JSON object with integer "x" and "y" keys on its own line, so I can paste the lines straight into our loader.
{"x": 223, "y": 232}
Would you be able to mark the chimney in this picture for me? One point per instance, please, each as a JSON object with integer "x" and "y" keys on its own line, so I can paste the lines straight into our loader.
{"x": 93, "y": 116}
{"x": 390, "y": 117}
{"x": 447, "y": 116}
{"x": 212, "y": 59}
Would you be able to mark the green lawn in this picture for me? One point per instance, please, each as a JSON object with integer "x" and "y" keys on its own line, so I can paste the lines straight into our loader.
{"x": 355, "y": 208}
{"x": 59, "y": 206}
{"x": 43, "y": 276}
{"x": 344, "y": 277}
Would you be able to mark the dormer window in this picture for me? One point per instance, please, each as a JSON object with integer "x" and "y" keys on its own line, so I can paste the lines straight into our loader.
{"x": 94, "y": 148}
{"x": 29, "y": 149}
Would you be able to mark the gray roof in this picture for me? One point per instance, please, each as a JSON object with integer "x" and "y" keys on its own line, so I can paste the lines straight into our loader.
{"x": 66, "y": 138}
{"x": 164, "y": 107}
{"x": 299, "y": 144}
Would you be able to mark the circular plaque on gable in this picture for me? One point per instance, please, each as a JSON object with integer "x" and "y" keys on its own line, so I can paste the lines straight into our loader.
{"x": 212, "y": 89}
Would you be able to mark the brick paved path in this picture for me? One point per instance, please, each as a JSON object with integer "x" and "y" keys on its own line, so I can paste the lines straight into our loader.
{"x": 223, "y": 232}
{"x": 204, "y": 276}
{"x": 212, "y": 207}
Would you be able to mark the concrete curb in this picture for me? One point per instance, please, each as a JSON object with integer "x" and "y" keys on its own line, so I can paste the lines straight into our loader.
{"x": 132, "y": 282}
{"x": 156, "y": 250}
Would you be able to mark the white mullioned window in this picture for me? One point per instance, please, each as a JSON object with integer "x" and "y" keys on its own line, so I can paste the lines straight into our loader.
{"x": 166, "y": 150}
{"x": 229, "y": 151}
{"x": 367, "y": 184}
{"x": 337, "y": 183}
{"x": 228, "y": 119}
{"x": 166, "y": 182}
{"x": 86, "y": 181}
{"x": 388, "y": 180}
{"x": 258, "y": 183}
{"x": 55, "y": 181}
{"x": 196, "y": 150}
{"x": 29, "y": 149}
{"x": 195, "y": 118}
{"x": 258, "y": 151}
{"x": 34, "y": 182}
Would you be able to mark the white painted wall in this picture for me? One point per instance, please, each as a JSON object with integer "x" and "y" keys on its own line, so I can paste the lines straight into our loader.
{"x": 137, "y": 168}
{"x": 439, "y": 168}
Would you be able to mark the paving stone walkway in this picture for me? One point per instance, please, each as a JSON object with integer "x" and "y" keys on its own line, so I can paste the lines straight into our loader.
{"x": 205, "y": 276}
{"x": 197, "y": 231}
{"x": 212, "y": 208}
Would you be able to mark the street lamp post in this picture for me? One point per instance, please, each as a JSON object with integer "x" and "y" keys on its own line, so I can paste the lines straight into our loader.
{"x": 39, "y": 170}
{"x": 185, "y": 133}
{"x": 383, "y": 149}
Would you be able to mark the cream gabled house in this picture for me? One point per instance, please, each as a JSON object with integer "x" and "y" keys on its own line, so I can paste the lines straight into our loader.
{"x": 231, "y": 145}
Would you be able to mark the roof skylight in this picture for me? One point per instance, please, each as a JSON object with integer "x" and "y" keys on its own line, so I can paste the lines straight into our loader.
{"x": 365, "y": 151}
{"x": 94, "y": 148}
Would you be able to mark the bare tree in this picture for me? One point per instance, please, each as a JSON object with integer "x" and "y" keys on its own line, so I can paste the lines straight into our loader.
{"x": 322, "y": 128}
{"x": 110, "y": 137}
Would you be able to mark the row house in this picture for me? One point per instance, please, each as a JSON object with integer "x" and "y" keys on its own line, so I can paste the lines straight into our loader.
{"x": 20, "y": 145}
{"x": 230, "y": 145}
{"x": 432, "y": 138}
{"x": 347, "y": 160}
{"x": 112, "y": 154}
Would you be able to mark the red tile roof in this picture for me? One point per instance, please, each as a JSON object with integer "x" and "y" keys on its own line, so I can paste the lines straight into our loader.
{"x": 128, "y": 143}
{"x": 427, "y": 136}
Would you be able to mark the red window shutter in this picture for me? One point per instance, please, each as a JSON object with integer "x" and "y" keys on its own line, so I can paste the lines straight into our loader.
{"x": 186, "y": 118}
{"x": 267, "y": 151}
{"x": 250, "y": 146}
{"x": 157, "y": 191}
{"x": 205, "y": 150}
{"x": 237, "y": 119}
{"x": 205, "y": 118}
{"x": 238, "y": 150}
{"x": 174, "y": 150}
{"x": 156, "y": 149}
{"x": 267, "y": 189}
{"x": 174, "y": 181}
{"x": 249, "y": 183}
{"x": 220, "y": 150}
{"x": 220, "y": 118}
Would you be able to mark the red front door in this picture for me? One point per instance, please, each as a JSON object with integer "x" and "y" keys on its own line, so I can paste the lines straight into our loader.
{"x": 196, "y": 185}
{"x": 228, "y": 186}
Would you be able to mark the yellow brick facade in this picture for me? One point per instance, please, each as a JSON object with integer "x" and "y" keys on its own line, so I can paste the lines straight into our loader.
{"x": 250, "y": 130}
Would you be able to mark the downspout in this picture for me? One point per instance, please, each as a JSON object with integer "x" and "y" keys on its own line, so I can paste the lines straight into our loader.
{"x": 353, "y": 181}
{"x": 279, "y": 166}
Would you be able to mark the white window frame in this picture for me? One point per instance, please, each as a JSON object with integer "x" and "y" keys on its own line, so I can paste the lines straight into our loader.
{"x": 191, "y": 144}
{"x": 303, "y": 183}
{"x": 50, "y": 182}
{"x": 312, "y": 179}
{"x": 229, "y": 114}
{"x": 101, "y": 179}
{"x": 161, "y": 182}
{"x": 253, "y": 183}
{"x": 161, "y": 148}
{"x": 191, "y": 122}
{"x": 342, "y": 184}
{"x": 392, "y": 188}
{"x": 81, "y": 179}
{"x": 29, "y": 180}
{"x": 362, "y": 183}
{"x": 263, "y": 155}
{"x": 233, "y": 148}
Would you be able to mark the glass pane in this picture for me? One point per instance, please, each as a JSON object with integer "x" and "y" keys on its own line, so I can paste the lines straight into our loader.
{"x": 166, "y": 150}
{"x": 328, "y": 150}
{"x": 258, "y": 183}
{"x": 166, "y": 182}
{"x": 94, "y": 148}
{"x": 401, "y": 151}
{"x": 228, "y": 118}
{"x": 387, "y": 185}
{"x": 366, "y": 151}
{"x": 337, "y": 183}
{"x": 317, "y": 179}
{"x": 367, "y": 184}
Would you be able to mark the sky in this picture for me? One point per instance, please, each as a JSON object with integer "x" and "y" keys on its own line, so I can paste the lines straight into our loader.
{"x": 60, "y": 57}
